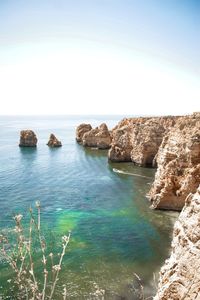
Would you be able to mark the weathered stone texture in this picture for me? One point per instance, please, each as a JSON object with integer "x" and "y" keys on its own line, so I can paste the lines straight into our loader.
{"x": 28, "y": 138}
{"x": 180, "y": 275}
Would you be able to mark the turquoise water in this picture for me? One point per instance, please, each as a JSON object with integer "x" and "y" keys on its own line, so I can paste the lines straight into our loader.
{"x": 114, "y": 233}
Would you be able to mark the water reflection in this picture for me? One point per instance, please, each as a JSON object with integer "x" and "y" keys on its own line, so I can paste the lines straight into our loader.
{"x": 54, "y": 151}
{"x": 94, "y": 152}
{"x": 28, "y": 152}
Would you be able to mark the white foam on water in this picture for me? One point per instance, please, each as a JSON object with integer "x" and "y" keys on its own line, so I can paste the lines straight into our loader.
{"x": 59, "y": 209}
{"x": 131, "y": 174}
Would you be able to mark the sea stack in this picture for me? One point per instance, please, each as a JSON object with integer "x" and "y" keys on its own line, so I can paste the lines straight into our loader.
{"x": 99, "y": 137}
{"x": 27, "y": 139}
{"x": 53, "y": 141}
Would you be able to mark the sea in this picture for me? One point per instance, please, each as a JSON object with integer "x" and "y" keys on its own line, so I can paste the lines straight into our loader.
{"x": 114, "y": 233}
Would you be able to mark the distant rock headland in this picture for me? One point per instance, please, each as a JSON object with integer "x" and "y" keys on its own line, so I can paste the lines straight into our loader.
{"x": 99, "y": 137}
{"x": 172, "y": 144}
{"x": 28, "y": 138}
{"x": 81, "y": 130}
{"x": 53, "y": 141}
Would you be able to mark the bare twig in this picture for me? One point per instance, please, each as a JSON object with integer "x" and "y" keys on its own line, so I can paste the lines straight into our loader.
{"x": 57, "y": 268}
{"x": 22, "y": 262}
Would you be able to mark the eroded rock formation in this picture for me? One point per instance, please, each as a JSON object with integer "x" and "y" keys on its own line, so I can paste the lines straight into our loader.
{"x": 99, "y": 137}
{"x": 53, "y": 141}
{"x": 138, "y": 139}
{"x": 178, "y": 160}
{"x": 81, "y": 130}
{"x": 121, "y": 144}
{"x": 28, "y": 138}
{"x": 180, "y": 275}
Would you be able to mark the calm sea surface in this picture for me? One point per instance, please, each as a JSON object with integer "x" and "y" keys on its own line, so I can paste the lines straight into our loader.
{"x": 114, "y": 233}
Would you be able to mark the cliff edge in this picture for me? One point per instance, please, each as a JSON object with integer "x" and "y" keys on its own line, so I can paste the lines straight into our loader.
{"x": 137, "y": 140}
{"x": 180, "y": 275}
{"x": 178, "y": 161}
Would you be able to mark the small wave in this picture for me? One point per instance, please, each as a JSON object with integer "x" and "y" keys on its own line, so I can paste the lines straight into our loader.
{"x": 131, "y": 174}
{"x": 59, "y": 209}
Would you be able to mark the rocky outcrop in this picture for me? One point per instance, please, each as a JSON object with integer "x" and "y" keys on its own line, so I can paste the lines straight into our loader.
{"x": 121, "y": 144}
{"x": 99, "y": 137}
{"x": 180, "y": 275}
{"x": 138, "y": 139}
{"x": 27, "y": 139}
{"x": 178, "y": 160}
{"x": 81, "y": 130}
{"x": 146, "y": 139}
{"x": 53, "y": 141}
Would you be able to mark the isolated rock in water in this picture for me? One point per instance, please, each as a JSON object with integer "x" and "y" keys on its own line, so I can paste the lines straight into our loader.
{"x": 178, "y": 161}
{"x": 53, "y": 141}
{"x": 28, "y": 138}
{"x": 99, "y": 137}
{"x": 180, "y": 277}
{"x": 81, "y": 130}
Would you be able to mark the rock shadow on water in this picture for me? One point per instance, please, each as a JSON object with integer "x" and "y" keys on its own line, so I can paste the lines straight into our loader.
{"x": 95, "y": 152}
{"x": 28, "y": 152}
{"x": 54, "y": 151}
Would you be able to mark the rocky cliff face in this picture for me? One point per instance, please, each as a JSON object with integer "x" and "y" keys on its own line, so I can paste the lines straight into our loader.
{"x": 28, "y": 138}
{"x": 99, "y": 137}
{"x": 180, "y": 275}
{"x": 171, "y": 143}
{"x": 138, "y": 139}
{"x": 178, "y": 161}
{"x": 53, "y": 141}
{"x": 121, "y": 143}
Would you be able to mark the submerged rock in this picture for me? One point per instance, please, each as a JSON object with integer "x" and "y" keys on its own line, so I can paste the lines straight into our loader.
{"x": 53, "y": 141}
{"x": 81, "y": 130}
{"x": 27, "y": 139}
{"x": 179, "y": 277}
{"x": 178, "y": 160}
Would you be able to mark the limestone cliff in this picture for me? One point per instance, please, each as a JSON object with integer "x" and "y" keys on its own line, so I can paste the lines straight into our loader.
{"x": 28, "y": 138}
{"x": 180, "y": 275}
{"x": 138, "y": 139}
{"x": 178, "y": 161}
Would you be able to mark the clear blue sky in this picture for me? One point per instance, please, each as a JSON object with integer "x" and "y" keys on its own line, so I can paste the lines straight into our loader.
{"x": 96, "y": 45}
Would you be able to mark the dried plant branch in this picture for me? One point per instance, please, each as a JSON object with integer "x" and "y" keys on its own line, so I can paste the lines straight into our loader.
{"x": 57, "y": 268}
{"x": 21, "y": 260}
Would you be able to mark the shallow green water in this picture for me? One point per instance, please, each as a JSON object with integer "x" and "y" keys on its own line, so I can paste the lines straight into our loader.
{"x": 114, "y": 233}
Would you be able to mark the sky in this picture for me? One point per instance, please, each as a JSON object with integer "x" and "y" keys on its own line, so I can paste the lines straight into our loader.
{"x": 125, "y": 57}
